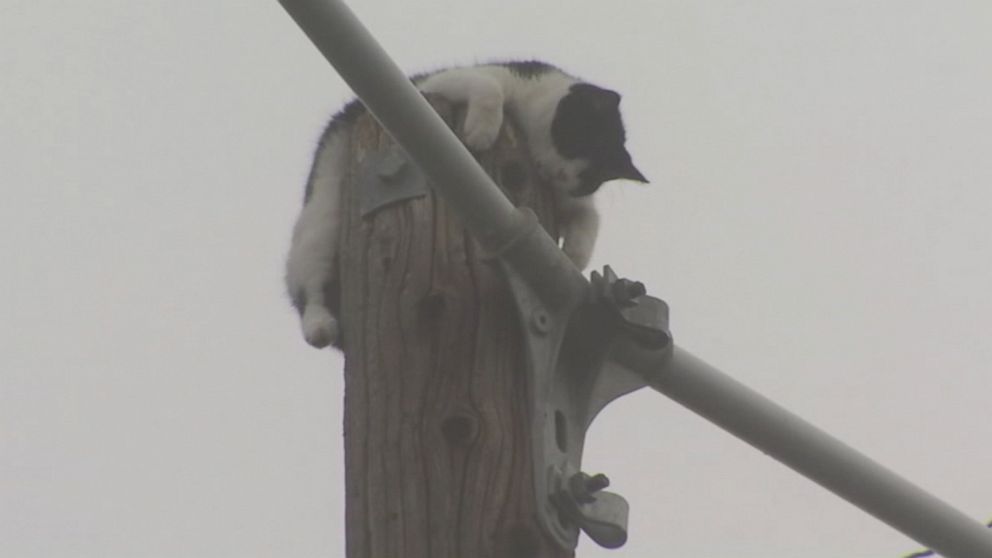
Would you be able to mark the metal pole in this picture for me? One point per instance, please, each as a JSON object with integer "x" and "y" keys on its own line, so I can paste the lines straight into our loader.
{"x": 810, "y": 451}
{"x": 404, "y": 113}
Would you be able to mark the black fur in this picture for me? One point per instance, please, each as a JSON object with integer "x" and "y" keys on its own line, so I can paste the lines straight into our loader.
{"x": 344, "y": 117}
{"x": 528, "y": 69}
{"x": 587, "y": 125}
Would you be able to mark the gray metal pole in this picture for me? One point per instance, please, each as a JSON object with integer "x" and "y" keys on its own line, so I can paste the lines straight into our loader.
{"x": 810, "y": 451}
{"x": 403, "y": 112}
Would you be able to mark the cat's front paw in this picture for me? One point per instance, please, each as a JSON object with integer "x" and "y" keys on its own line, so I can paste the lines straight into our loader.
{"x": 578, "y": 247}
{"x": 579, "y": 257}
{"x": 320, "y": 329}
{"x": 482, "y": 124}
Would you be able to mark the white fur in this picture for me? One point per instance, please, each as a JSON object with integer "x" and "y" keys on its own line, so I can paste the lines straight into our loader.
{"x": 579, "y": 228}
{"x": 483, "y": 94}
{"x": 487, "y": 91}
{"x": 310, "y": 266}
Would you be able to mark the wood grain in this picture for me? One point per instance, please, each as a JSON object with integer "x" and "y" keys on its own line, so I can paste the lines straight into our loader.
{"x": 437, "y": 441}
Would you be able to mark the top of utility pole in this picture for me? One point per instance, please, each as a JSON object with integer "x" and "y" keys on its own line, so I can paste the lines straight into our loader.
{"x": 553, "y": 283}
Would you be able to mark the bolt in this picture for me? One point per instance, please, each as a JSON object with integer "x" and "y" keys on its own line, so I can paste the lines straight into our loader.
{"x": 542, "y": 322}
{"x": 596, "y": 483}
{"x": 583, "y": 486}
{"x": 625, "y": 291}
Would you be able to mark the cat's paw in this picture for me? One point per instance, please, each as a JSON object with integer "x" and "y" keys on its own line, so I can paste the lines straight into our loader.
{"x": 578, "y": 248}
{"x": 320, "y": 329}
{"x": 482, "y": 123}
{"x": 579, "y": 257}
{"x": 579, "y": 229}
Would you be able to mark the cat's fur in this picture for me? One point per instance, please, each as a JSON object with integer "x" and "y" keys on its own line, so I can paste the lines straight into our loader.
{"x": 573, "y": 131}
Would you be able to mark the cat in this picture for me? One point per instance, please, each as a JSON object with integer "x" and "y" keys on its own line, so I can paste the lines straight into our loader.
{"x": 573, "y": 130}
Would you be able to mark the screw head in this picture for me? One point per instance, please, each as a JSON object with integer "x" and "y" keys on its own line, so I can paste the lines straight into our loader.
{"x": 541, "y": 321}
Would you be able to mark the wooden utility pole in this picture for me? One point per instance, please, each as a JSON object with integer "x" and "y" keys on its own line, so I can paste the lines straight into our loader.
{"x": 437, "y": 433}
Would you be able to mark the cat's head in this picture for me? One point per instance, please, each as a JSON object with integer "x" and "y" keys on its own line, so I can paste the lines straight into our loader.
{"x": 587, "y": 132}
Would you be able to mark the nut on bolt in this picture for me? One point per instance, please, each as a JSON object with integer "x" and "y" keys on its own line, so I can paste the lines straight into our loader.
{"x": 596, "y": 483}
{"x": 583, "y": 487}
{"x": 624, "y": 291}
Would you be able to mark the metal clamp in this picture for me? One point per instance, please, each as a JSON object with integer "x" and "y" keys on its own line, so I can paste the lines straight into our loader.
{"x": 572, "y": 380}
{"x": 643, "y": 318}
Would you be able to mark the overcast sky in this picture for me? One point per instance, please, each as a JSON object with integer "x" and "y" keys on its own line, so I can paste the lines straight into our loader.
{"x": 818, "y": 219}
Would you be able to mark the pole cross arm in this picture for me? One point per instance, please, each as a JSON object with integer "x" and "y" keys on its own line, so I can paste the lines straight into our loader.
{"x": 537, "y": 262}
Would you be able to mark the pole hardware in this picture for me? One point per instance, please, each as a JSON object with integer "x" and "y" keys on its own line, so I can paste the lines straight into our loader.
{"x": 600, "y": 515}
{"x": 644, "y": 319}
{"x": 572, "y": 379}
{"x": 389, "y": 177}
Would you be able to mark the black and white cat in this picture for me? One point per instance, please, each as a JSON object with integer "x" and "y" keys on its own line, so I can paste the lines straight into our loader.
{"x": 573, "y": 130}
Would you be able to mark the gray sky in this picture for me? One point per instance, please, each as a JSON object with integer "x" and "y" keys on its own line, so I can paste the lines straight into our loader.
{"x": 818, "y": 220}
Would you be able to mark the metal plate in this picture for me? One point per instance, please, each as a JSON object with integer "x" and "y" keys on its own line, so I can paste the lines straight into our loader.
{"x": 389, "y": 177}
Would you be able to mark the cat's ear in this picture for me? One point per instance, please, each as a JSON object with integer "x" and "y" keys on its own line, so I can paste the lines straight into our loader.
{"x": 606, "y": 100}
{"x": 595, "y": 99}
{"x": 630, "y": 172}
{"x": 624, "y": 168}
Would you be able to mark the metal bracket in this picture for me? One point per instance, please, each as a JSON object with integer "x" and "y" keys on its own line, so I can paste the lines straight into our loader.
{"x": 388, "y": 176}
{"x": 572, "y": 380}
